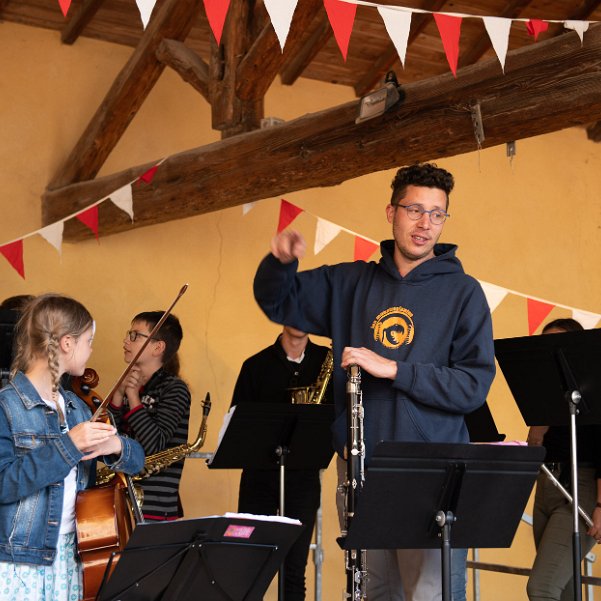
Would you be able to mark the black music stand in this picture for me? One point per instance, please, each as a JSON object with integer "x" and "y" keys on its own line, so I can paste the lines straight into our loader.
{"x": 8, "y": 320}
{"x": 430, "y": 495}
{"x": 555, "y": 380}
{"x": 213, "y": 559}
{"x": 276, "y": 435}
{"x": 481, "y": 426}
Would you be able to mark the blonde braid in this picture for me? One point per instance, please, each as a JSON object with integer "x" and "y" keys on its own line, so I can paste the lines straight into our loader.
{"x": 53, "y": 364}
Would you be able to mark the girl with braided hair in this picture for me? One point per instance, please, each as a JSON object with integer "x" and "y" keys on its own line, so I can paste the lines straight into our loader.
{"x": 48, "y": 451}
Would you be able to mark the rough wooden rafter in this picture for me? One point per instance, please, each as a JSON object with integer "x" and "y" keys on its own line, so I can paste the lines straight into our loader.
{"x": 129, "y": 90}
{"x": 548, "y": 86}
{"x": 191, "y": 68}
{"x": 79, "y": 19}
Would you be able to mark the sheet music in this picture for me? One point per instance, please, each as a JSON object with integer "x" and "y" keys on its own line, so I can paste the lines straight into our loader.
{"x": 226, "y": 421}
{"x": 263, "y": 518}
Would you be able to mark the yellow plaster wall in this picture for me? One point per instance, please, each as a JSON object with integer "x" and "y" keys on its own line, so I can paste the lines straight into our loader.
{"x": 532, "y": 225}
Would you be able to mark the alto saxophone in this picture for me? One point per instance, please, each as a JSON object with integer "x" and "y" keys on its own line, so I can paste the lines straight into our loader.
{"x": 159, "y": 461}
{"x": 355, "y": 559}
{"x": 313, "y": 395}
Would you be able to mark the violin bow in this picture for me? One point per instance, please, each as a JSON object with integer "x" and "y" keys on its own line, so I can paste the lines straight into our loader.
{"x": 157, "y": 327}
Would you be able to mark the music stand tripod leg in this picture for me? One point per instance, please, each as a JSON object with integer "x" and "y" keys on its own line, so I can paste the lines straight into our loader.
{"x": 444, "y": 521}
{"x": 282, "y": 452}
{"x": 574, "y": 399}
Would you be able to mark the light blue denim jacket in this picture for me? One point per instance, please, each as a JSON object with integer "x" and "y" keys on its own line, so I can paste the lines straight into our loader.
{"x": 35, "y": 458}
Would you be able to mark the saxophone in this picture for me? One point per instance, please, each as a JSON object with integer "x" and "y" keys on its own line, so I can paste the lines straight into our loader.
{"x": 159, "y": 461}
{"x": 313, "y": 395}
{"x": 355, "y": 559}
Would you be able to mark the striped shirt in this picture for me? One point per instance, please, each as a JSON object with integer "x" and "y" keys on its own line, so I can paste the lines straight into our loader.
{"x": 161, "y": 422}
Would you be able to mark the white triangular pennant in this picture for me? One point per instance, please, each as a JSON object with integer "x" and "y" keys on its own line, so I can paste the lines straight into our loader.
{"x": 53, "y": 234}
{"x": 397, "y": 24}
{"x": 246, "y": 207}
{"x": 325, "y": 232}
{"x": 281, "y": 12}
{"x": 145, "y": 7}
{"x": 494, "y": 294}
{"x": 578, "y": 26}
{"x": 124, "y": 200}
{"x": 498, "y": 32}
{"x": 585, "y": 318}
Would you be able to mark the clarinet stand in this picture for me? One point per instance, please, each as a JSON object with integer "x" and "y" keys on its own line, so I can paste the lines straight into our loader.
{"x": 461, "y": 496}
{"x": 553, "y": 380}
{"x": 270, "y": 436}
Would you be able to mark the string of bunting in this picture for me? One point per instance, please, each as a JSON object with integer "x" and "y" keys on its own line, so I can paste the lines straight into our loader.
{"x": 53, "y": 233}
{"x": 326, "y": 231}
{"x": 397, "y": 20}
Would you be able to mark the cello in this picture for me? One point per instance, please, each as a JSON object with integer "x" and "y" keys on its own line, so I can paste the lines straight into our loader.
{"x": 104, "y": 516}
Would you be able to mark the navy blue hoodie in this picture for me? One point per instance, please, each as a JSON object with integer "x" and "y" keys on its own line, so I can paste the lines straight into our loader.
{"x": 435, "y": 322}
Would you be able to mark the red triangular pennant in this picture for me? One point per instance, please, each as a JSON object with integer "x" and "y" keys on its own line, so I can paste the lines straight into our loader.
{"x": 537, "y": 311}
{"x": 148, "y": 176}
{"x": 342, "y": 17}
{"x": 216, "y": 11}
{"x": 536, "y": 26}
{"x": 288, "y": 213}
{"x": 89, "y": 218}
{"x": 450, "y": 29}
{"x": 64, "y": 4}
{"x": 13, "y": 251}
{"x": 364, "y": 249}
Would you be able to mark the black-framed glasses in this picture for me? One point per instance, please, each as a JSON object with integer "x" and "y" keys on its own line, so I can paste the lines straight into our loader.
{"x": 133, "y": 335}
{"x": 415, "y": 212}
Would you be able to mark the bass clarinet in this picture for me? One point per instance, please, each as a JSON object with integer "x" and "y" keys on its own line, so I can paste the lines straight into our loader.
{"x": 355, "y": 559}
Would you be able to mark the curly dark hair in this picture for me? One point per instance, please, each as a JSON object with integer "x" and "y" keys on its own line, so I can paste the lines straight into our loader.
{"x": 421, "y": 174}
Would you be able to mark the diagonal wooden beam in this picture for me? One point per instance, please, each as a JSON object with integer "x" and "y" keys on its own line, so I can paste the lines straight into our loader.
{"x": 78, "y": 21}
{"x": 296, "y": 63}
{"x": 187, "y": 63}
{"x": 547, "y": 86}
{"x": 259, "y": 67}
{"x": 129, "y": 90}
{"x": 375, "y": 74}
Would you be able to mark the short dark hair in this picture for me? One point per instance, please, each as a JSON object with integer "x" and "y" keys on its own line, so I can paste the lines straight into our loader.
{"x": 567, "y": 325}
{"x": 421, "y": 174}
{"x": 170, "y": 333}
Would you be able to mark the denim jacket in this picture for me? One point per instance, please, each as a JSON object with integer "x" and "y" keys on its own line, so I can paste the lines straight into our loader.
{"x": 35, "y": 458}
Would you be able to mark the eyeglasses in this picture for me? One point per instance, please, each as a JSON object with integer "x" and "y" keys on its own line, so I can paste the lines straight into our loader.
{"x": 415, "y": 212}
{"x": 133, "y": 335}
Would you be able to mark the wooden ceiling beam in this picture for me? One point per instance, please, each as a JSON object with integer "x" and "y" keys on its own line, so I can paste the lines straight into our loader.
{"x": 296, "y": 63}
{"x": 78, "y": 21}
{"x": 547, "y": 86}
{"x": 263, "y": 61}
{"x": 173, "y": 20}
{"x": 191, "y": 68}
{"x": 376, "y": 73}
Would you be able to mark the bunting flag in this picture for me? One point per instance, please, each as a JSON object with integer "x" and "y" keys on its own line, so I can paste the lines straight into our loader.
{"x": 325, "y": 232}
{"x": 13, "y": 251}
{"x": 89, "y": 218}
{"x": 341, "y": 16}
{"x": 148, "y": 176}
{"x": 498, "y": 32}
{"x": 145, "y": 7}
{"x": 246, "y": 207}
{"x": 537, "y": 311}
{"x": 216, "y": 11}
{"x": 398, "y": 24}
{"x": 586, "y": 319}
{"x": 65, "y": 5}
{"x": 578, "y": 26}
{"x": 288, "y": 213}
{"x": 536, "y": 26}
{"x": 124, "y": 200}
{"x": 53, "y": 234}
{"x": 494, "y": 294}
{"x": 364, "y": 249}
{"x": 450, "y": 29}
{"x": 281, "y": 13}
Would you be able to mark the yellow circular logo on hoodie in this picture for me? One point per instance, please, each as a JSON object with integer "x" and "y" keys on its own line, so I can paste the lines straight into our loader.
{"x": 393, "y": 327}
